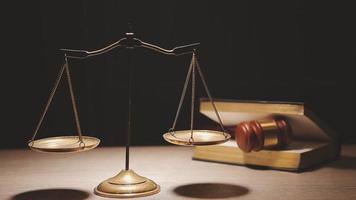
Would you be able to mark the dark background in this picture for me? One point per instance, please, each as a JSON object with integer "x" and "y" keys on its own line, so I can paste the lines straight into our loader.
{"x": 258, "y": 50}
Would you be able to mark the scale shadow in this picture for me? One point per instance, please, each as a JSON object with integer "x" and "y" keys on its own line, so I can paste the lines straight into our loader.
{"x": 52, "y": 194}
{"x": 210, "y": 190}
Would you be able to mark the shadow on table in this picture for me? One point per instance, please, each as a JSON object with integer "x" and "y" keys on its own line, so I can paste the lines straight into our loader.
{"x": 211, "y": 190}
{"x": 344, "y": 162}
{"x": 52, "y": 194}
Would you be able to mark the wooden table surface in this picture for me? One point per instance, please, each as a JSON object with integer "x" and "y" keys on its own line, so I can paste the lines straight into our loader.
{"x": 27, "y": 175}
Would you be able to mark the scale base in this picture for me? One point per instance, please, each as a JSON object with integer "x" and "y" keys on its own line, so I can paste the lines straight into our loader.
{"x": 125, "y": 185}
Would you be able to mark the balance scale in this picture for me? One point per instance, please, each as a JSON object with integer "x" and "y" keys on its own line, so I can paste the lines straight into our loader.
{"x": 127, "y": 183}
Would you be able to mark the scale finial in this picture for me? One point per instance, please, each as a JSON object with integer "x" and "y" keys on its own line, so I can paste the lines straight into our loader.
{"x": 129, "y": 25}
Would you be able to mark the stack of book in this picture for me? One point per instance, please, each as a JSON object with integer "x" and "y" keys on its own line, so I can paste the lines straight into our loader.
{"x": 313, "y": 142}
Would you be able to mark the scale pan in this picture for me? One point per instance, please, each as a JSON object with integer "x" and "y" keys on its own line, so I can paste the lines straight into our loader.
{"x": 200, "y": 137}
{"x": 64, "y": 144}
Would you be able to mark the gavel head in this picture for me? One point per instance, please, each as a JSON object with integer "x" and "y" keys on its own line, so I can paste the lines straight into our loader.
{"x": 263, "y": 134}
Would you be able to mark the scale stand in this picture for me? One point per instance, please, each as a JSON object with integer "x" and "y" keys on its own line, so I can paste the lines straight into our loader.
{"x": 127, "y": 183}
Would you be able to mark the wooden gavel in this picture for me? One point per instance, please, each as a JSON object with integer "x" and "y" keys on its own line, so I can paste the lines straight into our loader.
{"x": 263, "y": 134}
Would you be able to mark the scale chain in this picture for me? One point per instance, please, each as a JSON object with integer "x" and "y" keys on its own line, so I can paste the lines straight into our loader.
{"x": 49, "y": 101}
{"x": 191, "y": 74}
{"x": 182, "y": 96}
{"x": 208, "y": 93}
{"x": 192, "y": 102}
{"x": 65, "y": 67}
{"x": 75, "y": 110}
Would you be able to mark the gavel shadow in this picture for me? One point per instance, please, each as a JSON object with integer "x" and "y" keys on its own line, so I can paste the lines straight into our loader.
{"x": 343, "y": 162}
{"x": 210, "y": 190}
{"x": 52, "y": 194}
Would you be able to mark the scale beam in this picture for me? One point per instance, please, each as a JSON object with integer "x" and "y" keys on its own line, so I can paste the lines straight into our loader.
{"x": 130, "y": 42}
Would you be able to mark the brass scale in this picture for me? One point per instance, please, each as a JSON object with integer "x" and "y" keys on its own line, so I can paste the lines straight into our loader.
{"x": 127, "y": 183}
